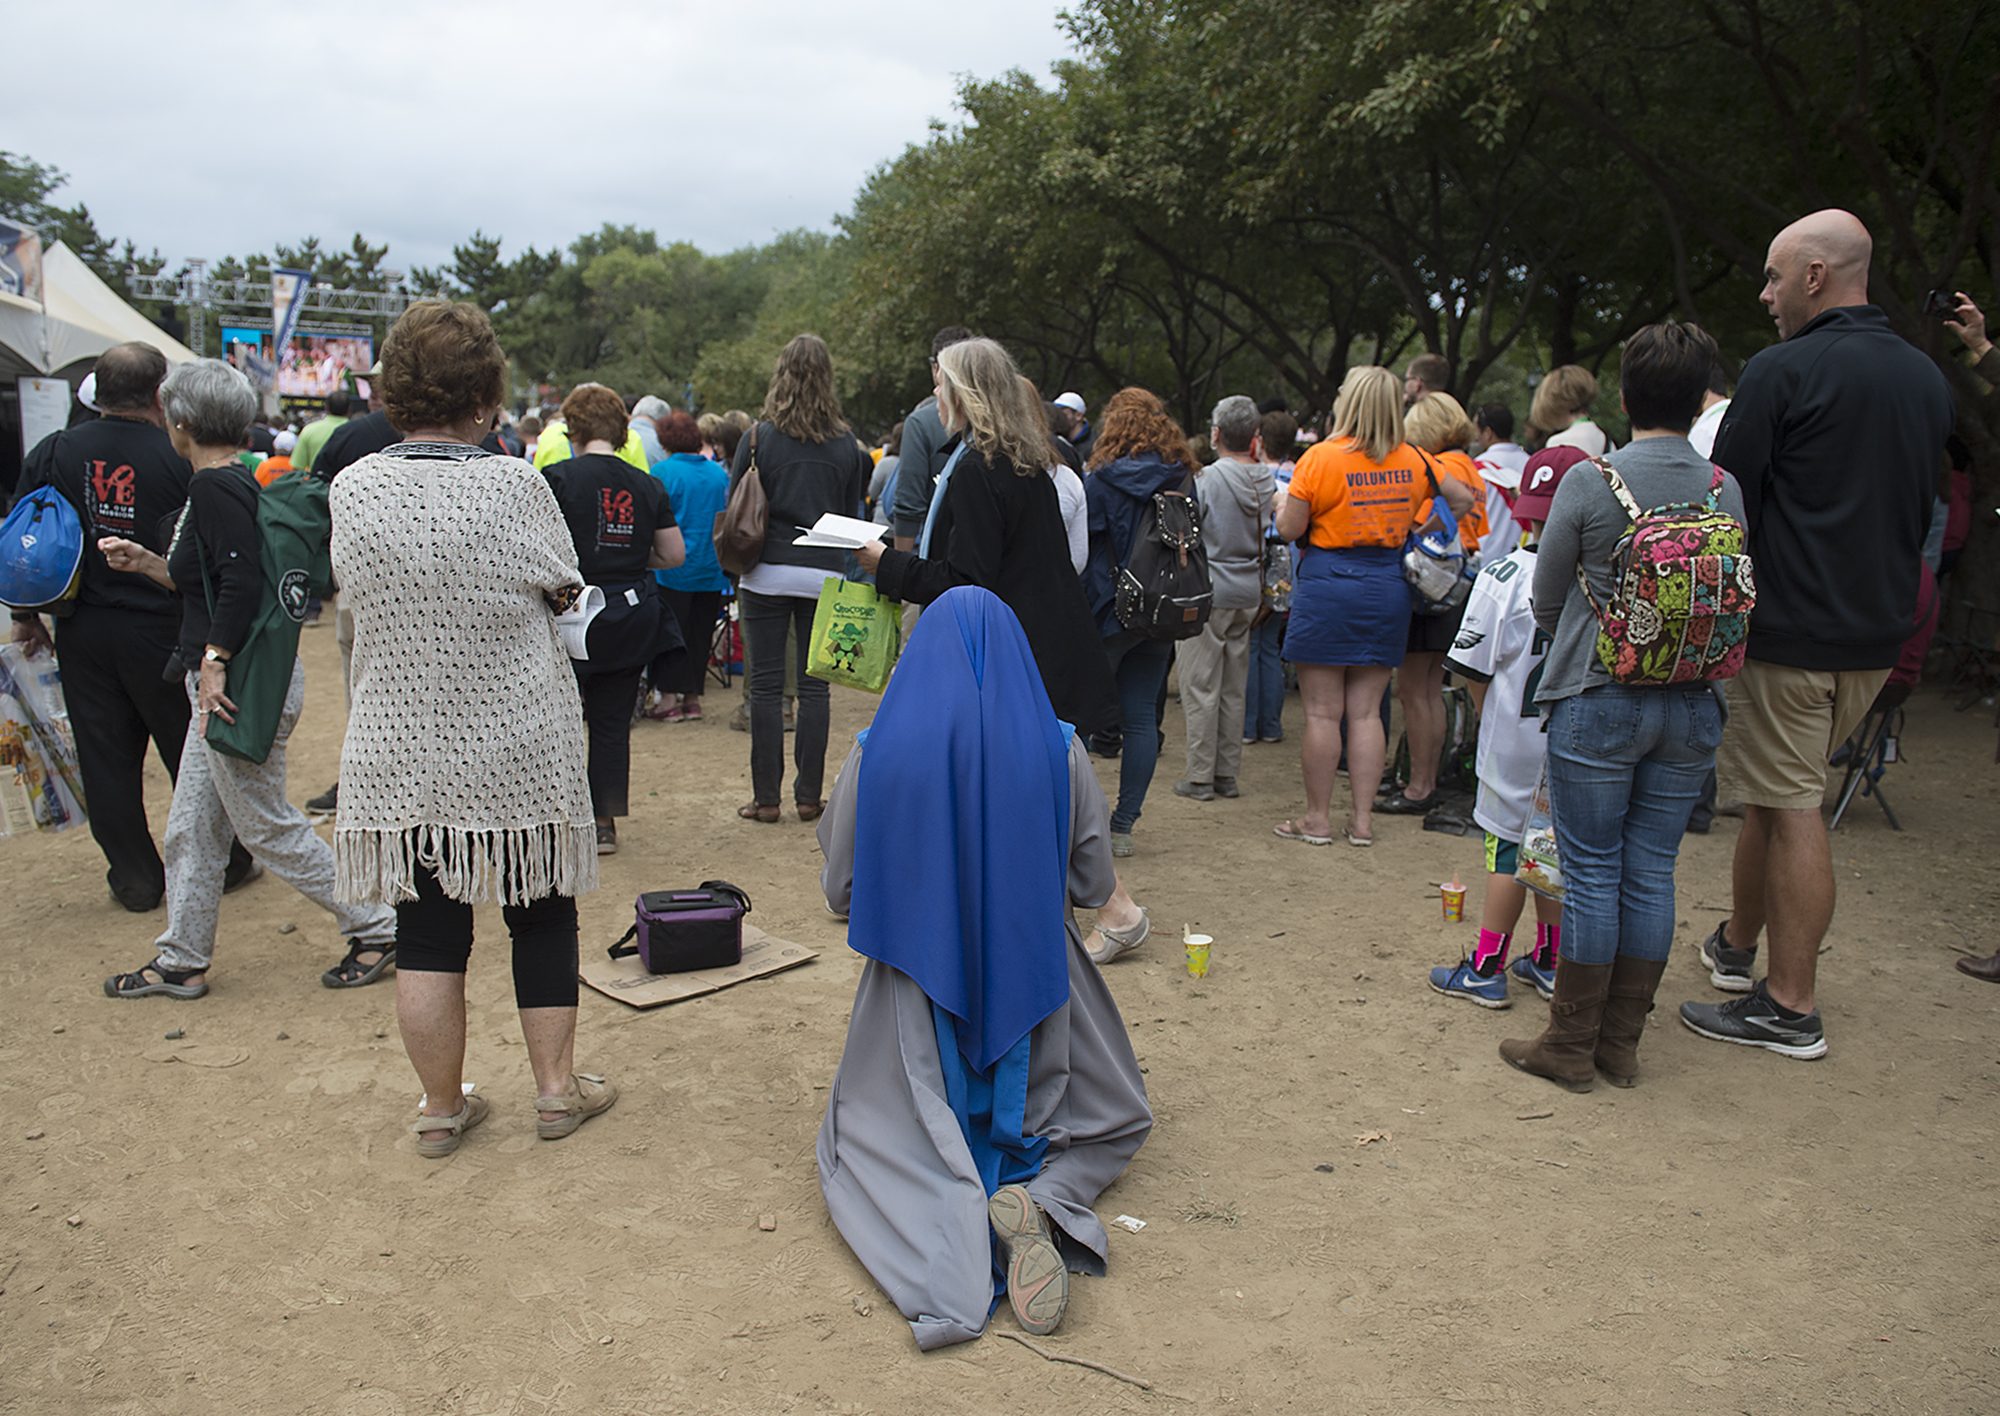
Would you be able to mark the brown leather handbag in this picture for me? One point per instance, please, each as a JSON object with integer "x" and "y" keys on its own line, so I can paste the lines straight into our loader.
{"x": 739, "y": 526}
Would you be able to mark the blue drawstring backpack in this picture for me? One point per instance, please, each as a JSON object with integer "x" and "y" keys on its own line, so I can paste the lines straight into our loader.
{"x": 41, "y": 553}
{"x": 1439, "y": 572}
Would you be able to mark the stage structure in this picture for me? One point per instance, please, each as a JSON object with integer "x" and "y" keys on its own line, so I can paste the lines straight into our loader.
{"x": 197, "y": 293}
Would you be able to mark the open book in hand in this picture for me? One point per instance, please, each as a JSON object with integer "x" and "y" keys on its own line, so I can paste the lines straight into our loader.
{"x": 847, "y": 533}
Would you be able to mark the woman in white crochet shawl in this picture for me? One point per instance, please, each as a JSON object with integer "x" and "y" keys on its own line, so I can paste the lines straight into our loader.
{"x": 462, "y": 776}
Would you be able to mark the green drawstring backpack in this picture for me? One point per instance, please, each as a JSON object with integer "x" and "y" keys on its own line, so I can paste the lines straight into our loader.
{"x": 293, "y": 531}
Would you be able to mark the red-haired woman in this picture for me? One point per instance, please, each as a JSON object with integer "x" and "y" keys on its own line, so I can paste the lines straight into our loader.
{"x": 693, "y": 590}
{"x": 1139, "y": 451}
{"x": 623, "y": 527}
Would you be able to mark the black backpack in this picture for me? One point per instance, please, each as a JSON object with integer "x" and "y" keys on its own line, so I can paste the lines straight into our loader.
{"x": 1163, "y": 588}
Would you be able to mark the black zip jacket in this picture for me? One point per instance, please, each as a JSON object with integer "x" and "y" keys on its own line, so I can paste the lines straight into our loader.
{"x": 1836, "y": 437}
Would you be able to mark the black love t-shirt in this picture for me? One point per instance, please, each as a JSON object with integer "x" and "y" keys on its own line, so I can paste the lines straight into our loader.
{"x": 124, "y": 479}
{"x": 612, "y": 509}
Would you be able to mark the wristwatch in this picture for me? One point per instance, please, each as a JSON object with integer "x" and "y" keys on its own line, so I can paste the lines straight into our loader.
{"x": 211, "y": 657}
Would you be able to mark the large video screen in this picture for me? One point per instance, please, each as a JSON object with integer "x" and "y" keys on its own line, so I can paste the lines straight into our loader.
{"x": 312, "y": 365}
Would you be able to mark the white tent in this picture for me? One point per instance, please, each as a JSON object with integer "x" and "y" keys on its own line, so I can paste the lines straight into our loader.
{"x": 85, "y": 318}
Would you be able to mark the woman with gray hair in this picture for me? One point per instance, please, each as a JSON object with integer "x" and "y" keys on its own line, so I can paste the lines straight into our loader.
{"x": 214, "y": 561}
{"x": 1235, "y": 493}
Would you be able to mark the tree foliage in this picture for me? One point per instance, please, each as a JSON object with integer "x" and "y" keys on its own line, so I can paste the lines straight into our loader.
{"x": 1217, "y": 196}
{"x": 26, "y": 187}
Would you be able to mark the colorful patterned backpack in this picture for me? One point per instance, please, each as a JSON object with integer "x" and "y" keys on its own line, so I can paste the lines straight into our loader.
{"x": 1680, "y": 609}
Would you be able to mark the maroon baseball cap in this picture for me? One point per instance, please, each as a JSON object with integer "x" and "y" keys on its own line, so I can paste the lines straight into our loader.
{"x": 1540, "y": 478}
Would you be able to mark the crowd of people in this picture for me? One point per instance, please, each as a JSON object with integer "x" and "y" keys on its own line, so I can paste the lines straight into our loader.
{"x": 967, "y": 823}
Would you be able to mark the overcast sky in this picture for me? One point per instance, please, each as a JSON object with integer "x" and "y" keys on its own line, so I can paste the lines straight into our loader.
{"x": 222, "y": 127}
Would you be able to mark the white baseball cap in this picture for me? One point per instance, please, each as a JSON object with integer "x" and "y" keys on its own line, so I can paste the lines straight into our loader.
{"x": 1071, "y": 401}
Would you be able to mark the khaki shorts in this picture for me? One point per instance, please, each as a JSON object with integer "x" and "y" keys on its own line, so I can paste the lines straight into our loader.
{"x": 1784, "y": 723}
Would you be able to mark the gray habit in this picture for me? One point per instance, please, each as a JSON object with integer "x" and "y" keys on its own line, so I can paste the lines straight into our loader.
{"x": 893, "y": 1164}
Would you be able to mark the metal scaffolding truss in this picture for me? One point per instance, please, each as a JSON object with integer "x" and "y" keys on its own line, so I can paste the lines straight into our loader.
{"x": 196, "y": 291}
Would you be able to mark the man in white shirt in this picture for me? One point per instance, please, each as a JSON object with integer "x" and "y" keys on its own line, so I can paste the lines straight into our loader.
{"x": 1500, "y": 461}
{"x": 1428, "y": 373}
{"x": 1714, "y": 404}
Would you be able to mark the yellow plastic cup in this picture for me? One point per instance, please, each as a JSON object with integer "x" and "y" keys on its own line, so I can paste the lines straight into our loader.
{"x": 1454, "y": 904}
{"x": 1197, "y": 954}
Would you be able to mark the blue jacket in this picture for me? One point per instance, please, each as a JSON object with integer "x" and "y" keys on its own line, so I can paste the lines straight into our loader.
{"x": 1113, "y": 496}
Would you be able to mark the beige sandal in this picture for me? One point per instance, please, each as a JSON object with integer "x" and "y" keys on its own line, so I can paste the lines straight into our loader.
{"x": 589, "y": 1094}
{"x": 438, "y": 1136}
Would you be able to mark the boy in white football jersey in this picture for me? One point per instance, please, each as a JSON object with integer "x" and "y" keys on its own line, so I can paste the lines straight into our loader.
{"x": 1498, "y": 652}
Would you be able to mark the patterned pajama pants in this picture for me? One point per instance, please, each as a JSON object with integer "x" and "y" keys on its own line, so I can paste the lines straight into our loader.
{"x": 218, "y": 796}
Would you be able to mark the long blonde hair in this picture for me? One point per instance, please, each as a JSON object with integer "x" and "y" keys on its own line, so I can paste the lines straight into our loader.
{"x": 996, "y": 407}
{"x": 1368, "y": 411}
{"x": 801, "y": 402}
{"x": 1436, "y": 422}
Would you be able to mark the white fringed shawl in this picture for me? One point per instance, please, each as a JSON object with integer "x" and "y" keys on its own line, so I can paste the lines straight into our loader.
{"x": 465, "y": 748}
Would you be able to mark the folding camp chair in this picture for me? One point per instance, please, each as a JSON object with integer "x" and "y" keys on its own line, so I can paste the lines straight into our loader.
{"x": 725, "y": 645}
{"x": 1874, "y": 746}
{"x": 1975, "y": 661}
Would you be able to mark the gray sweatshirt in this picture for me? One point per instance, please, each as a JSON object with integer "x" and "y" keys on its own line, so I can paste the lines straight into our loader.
{"x": 1585, "y": 523}
{"x": 1235, "y": 500}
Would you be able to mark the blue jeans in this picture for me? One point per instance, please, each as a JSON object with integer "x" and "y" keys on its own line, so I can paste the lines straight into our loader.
{"x": 1626, "y": 766}
{"x": 1140, "y": 667}
{"x": 1264, "y": 691}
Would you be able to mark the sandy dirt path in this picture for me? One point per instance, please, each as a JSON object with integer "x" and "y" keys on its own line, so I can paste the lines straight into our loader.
{"x": 1351, "y": 1204}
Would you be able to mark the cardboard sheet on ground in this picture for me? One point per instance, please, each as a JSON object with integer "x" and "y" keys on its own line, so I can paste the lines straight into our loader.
{"x": 627, "y": 980}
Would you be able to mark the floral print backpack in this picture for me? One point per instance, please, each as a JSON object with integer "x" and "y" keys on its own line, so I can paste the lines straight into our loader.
{"x": 1680, "y": 608}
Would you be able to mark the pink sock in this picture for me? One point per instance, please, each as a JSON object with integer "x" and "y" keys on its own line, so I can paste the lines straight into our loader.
{"x": 1548, "y": 944}
{"x": 1489, "y": 955}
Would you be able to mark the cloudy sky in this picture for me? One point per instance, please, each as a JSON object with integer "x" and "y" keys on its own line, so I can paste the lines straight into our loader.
{"x": 221, "y": 127}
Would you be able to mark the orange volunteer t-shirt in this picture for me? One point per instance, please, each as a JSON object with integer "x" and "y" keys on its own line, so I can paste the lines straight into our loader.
{"x": 1473, "y": 526}
{"x": 272, "y": 468}
{"x": 1355, "y": 502}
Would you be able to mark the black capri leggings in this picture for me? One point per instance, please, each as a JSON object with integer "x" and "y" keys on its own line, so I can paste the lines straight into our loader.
{"x": 434, "y": 935}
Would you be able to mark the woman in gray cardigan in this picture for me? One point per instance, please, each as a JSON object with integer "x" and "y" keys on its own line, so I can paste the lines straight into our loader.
{"x": 1235, "y": 494}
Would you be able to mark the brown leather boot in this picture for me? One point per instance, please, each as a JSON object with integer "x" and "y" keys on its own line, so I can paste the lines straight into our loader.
{"x": 1564, "y": 1051}
{"x": 1626, "y": 1004}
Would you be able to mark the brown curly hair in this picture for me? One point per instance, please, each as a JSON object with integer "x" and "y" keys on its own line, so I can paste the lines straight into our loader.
{"x": 441, "y": 364}
{"x": 1135, "y": 421}
{"x": 591, "y": 412}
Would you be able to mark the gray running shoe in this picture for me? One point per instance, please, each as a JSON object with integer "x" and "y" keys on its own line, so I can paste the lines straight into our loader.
{"x": 1753, "y": 1021}
{"x": 1728, "y": 969}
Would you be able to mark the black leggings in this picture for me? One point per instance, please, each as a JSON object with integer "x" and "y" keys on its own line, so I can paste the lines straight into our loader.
{"x": 434, "y": 935}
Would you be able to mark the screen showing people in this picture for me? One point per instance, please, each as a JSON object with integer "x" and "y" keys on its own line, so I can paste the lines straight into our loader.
{"x": 311, "y": 366}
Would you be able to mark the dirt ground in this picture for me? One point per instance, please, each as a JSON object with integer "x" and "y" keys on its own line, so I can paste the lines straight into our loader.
{"x": 1351, "y": 1204}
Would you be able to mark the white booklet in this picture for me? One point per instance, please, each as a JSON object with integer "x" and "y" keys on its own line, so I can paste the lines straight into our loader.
{"x": 573, "y": 624}
{"x": 848, "y": 533}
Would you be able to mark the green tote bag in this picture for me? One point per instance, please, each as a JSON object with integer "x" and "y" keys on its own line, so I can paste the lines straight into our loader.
{"x": 856, "y": 635}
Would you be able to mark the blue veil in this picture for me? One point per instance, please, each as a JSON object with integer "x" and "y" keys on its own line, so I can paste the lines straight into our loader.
{"x": 960, "y": 858}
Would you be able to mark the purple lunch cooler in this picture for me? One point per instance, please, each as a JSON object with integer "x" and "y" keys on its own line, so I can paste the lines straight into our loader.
{"x": 681, "y": 930}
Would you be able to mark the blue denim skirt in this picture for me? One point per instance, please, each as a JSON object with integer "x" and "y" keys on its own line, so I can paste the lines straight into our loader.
{"x": 1349, "y": 607}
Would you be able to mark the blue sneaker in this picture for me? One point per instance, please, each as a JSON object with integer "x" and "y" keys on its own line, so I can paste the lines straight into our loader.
{"x": 1543, "y": 981}
{"x": 1462, "y": 982}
